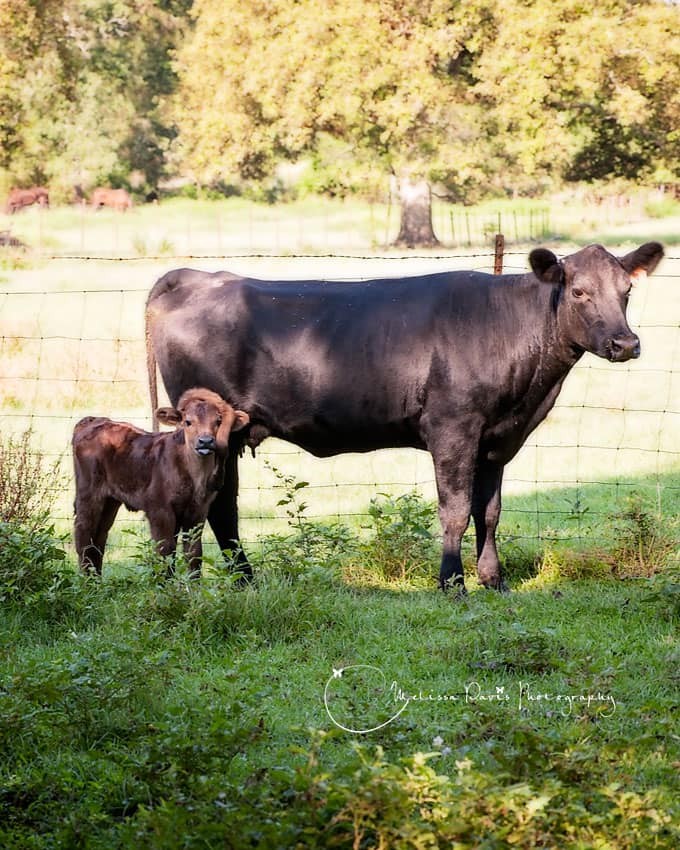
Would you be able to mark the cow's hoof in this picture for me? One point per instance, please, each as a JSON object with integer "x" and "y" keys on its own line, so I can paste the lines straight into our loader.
{"x": 456, "y": 588}
{"x": 242, "y": 580}
{"x": 499, "y": 587}
{"x": 494, "y": 583}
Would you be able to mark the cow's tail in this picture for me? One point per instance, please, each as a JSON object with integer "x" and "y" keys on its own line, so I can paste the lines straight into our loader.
{"x": 164, "y": 284}
{"x": 151, "y": 369}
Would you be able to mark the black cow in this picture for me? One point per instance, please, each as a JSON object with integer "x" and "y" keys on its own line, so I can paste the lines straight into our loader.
{"x": 463, "y": 364}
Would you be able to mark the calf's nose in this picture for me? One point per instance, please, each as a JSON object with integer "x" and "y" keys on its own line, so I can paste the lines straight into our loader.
{"x": 624, "y": 347}
{"x": 205, "y": 444}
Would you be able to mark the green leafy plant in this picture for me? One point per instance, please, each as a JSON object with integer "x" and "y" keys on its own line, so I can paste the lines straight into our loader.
{"x": 312, "y": 548}
{"x": 644, "y": 541}
{"x": 402, "y": 546}
{"x": 29, "y": 562}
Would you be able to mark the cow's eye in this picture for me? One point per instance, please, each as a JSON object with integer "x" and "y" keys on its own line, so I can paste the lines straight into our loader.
{"x": 219, "y": 421}
{"x": 187, "y": 422}
{"x": 577, "y": 293}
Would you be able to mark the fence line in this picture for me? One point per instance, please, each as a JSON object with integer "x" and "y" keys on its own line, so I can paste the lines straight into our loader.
{"x": 65, "y": 353}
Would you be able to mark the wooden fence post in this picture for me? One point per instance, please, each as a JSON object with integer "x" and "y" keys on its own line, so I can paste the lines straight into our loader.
{"x": 498, "y": 254}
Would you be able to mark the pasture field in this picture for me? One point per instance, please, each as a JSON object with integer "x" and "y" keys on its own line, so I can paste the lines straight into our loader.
{"x": 143, "y": 713}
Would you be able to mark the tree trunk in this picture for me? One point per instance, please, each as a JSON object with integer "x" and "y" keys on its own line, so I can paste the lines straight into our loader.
{"x": 416, "y": 214}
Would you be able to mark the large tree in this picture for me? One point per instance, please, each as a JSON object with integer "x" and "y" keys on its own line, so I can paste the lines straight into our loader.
{"x": 467, "y": 95}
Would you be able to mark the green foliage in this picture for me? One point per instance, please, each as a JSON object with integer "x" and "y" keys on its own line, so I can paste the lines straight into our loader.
{"x": 313, "y": 548}
{"x": 402, "y": 546}
{"x": 153, "y": 726}
{"x": 27, "y": 565}
{"x": 644, "y": 541}
{"x": 471, "y": 96}
{"x": 480, "y": 99}
{"x": 80, "y": 84}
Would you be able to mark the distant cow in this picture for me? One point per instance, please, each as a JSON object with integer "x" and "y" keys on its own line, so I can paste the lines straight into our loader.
{"x": 19, "y": 198}
{"x": 460, "y": 363}
{"x": 172, "y": 477}
{"x": 118, "y": 199}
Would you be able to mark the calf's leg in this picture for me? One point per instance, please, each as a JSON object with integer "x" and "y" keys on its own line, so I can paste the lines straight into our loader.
{"x": 92, "y": 525}
{"x": 193, "y": 549}
{"x": 164, "y": 531}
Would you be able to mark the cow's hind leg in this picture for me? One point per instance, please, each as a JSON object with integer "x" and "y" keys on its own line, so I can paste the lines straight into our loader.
{"x": 486, "y": 510}
{"x": 223, "y": 518}
{"x": 92, "y": 526}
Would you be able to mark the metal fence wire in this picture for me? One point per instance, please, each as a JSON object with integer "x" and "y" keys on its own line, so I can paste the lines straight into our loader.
{"x": 72, "y": 344}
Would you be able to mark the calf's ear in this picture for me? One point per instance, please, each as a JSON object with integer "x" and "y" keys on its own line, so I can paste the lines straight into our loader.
{"x": 643, "y": 260}
{"x": 545, "y": 265}
{"x": 241, "y": 419}
{"x": 232, "y": 420}
{"x": 168, "y": 416}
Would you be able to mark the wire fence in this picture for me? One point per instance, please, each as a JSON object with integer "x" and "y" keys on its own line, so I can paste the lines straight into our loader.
{"x": 72, "y": 344}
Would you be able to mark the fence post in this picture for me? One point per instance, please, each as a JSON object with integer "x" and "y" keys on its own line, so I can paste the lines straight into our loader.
{"x": 499, "y": 247}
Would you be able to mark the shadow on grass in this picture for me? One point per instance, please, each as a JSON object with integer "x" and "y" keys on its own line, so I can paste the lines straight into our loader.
{"x": 622, "y": 528}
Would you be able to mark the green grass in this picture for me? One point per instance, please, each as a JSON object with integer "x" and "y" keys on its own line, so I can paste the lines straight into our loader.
{"x": 162, "y": 715}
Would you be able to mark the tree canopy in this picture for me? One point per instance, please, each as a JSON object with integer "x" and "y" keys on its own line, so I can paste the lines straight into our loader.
{"x": 81, "y": 83}
{"x": 470, "y": 96}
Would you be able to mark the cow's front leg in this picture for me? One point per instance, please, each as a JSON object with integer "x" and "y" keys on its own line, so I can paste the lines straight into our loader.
{"x": 486, "y": 510}
{"x": 223, "y": 517}
{"x": 454, "y": 473}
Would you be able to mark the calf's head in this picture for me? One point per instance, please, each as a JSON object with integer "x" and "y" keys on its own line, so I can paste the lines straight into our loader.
{"x": 206, "y": 420}
{"x": 593, "y": 295}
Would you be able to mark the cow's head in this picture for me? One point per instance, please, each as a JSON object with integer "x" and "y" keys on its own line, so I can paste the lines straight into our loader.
{"x": 593, "y": 296}
{"x": 206, "y": 420}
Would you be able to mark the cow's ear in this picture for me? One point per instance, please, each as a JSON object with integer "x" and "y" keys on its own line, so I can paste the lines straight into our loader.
{"x": 545, "y": 265}
{"x": 643, "y": 260}
{"x": 241, "y": 419}
{"x": 169, "y": 416}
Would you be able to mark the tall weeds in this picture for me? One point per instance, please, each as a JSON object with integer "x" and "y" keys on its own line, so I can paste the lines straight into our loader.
{"x": 29, "y": 481}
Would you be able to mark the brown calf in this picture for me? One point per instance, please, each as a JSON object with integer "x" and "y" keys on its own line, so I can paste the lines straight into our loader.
{"x": 19, "y": 198}
{"x": 119, "y": 199}
{"x": 172, "y": 477}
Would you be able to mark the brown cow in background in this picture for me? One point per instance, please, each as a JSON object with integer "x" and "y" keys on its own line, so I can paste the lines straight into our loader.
{"x": 20, "y": 198}
{"x": 172, "y": 477}
{"x": 118, "y": 199}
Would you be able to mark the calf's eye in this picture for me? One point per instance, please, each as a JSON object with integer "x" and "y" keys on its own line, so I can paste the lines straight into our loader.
{"x": 187, "y": 422}
{"x": 577, "y": 293}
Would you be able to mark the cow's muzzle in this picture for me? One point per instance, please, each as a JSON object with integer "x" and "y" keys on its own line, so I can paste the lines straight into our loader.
{"x": 205, "y": 445}
{"x": 623, "y": 347}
